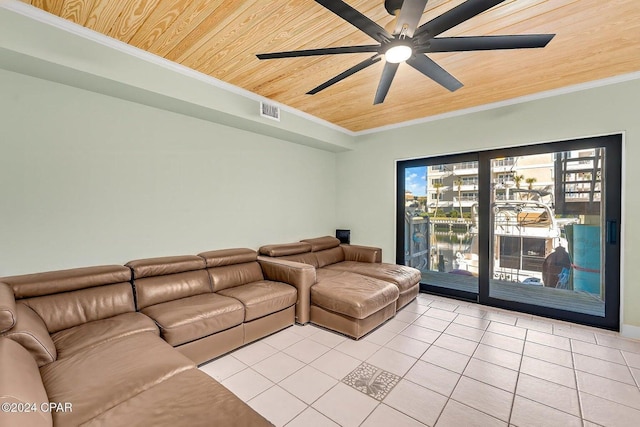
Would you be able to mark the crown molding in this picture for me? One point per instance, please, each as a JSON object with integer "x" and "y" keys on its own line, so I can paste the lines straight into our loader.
{"x": 520, "y": 100}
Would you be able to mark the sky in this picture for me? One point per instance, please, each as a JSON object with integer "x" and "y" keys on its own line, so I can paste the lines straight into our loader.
{"x": 415, "y": 180}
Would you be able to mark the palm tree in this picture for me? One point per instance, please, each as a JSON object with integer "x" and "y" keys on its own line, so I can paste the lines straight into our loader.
{"x": 458, "y": 183}
{"x": 518, "y": 179}
{"x": 530, "y": 181}
{"x": 437, "y": 186}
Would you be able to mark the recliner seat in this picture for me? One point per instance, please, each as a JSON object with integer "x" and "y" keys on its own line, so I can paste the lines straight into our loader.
{"x": 269, "y": 305}
{"x": 176, "y": 293}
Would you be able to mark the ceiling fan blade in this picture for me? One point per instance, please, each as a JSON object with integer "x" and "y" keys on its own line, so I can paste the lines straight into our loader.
{"x": 360, "y": 66}
{"x": 323, "y": 51}
{"x": 410, "y": 15}
{"x": 388, "y": 73}
{"x": 356, "y": 19}
{"x": 455, "y": 16}
{"x": 435, "y": 72}
{"x": 459, "y": 44}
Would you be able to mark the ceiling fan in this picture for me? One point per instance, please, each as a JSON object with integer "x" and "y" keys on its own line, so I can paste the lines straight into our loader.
{"x": 409, "y": 43}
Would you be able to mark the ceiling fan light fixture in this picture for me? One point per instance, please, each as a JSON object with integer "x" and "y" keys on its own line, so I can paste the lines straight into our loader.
{"x": 406, "y": 40}
{"x": 398, "y": 53}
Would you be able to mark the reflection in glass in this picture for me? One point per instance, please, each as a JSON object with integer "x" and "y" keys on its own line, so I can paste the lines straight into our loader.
{"x": 441, "y": 223}
{"x": 546, "y": 220}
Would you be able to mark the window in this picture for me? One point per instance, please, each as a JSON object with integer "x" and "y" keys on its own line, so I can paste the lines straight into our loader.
{"x": 465, "y": 165}
{"x": 507, "y": 161}
{"x": 470, "y": 180}
{"x": 503, "y": 178}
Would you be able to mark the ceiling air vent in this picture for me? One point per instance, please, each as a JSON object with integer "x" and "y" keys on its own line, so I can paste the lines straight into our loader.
{"x": 270, "y": 111}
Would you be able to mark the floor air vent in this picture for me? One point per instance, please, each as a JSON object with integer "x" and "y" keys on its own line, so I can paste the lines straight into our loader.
{"x": 270, "y": 111}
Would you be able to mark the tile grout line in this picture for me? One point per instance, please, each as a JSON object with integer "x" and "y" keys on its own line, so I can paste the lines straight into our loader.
{"x": 575, "y": 376}
{"x": 515, "y": 390}
{"x": 450, "y": 397}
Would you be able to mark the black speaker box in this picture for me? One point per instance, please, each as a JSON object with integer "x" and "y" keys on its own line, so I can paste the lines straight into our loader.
{"x": 344, "y": 236}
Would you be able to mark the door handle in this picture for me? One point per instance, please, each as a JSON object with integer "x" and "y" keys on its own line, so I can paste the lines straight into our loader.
{"x": 612, "y": 232}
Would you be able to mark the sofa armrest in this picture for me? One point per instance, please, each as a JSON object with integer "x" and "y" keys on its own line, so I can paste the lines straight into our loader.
{"x": 297, "y": 274}
{"x": 362, "y": 253}
{"x": 7, "y": 308}
{"x": 21, "y": 384}
{"x": 31, "y": 332}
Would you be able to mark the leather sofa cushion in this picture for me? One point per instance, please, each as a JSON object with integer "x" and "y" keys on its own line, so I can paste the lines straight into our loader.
{"x": 150, "y": 267}
{"x": 159, "y": 289}
{"x": 68, "y": 309}
{"x": 20, "y": 382}
{"x": 285, "y": 249}
{"x": 228, "y": 257}
{"x": 72, "y": 340}
{"x": 98, "y": 378}
{"x": 402, "y": 276}
{"x": 262, "y": 298}
{"x": 7, "y": 308}
{"x": 351, "y": 294}
{"x": 32, "y": 334}
{"x": 189, "y": 398}
{"x": 229, "y": 276}
{"x": 329, "y": 256}
{"x": 191, "y": 318}
{"x": 322, "y": 243}
{"x": 53, "y": 282}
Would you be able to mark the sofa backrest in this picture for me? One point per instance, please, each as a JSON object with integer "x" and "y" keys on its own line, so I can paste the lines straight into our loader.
{"x": 163, "y": 279}
{"x": 67, "y": 298}
{"x": 322, "y": 243}
{"x": 329, "y": 256}
{"x": 297, "y": 252}
{"x": 327, "y": 250}
{"x": 318, "y": 252}
{"x": 228, "y": 268}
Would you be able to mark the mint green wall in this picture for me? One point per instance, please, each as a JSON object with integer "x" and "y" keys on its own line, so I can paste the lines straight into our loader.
{"x": 89, "y": 179}
{"x": 366, "y": 175}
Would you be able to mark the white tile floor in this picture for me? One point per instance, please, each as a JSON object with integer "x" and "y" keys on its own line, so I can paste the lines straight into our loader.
{"x": 460, "y": 364}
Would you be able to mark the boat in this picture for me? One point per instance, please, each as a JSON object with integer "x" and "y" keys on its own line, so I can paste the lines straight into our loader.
{"x": 525, "y": 233}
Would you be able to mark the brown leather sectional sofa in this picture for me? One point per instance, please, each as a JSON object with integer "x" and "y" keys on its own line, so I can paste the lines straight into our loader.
{"x": 119, "y": 345}
{"x": 88, "y": 338}
{"x": 354, "y": 292}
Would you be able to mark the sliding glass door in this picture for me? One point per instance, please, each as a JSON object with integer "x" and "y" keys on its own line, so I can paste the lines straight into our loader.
{"x": 532, "y": 228}
{"x": 553, "y": 223}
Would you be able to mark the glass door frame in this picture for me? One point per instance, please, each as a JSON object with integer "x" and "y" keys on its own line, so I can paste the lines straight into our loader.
{"x": 612, "y": 180}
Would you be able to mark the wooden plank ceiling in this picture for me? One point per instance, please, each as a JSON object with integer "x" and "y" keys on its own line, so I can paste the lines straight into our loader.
{"x": 595, "y": 39}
